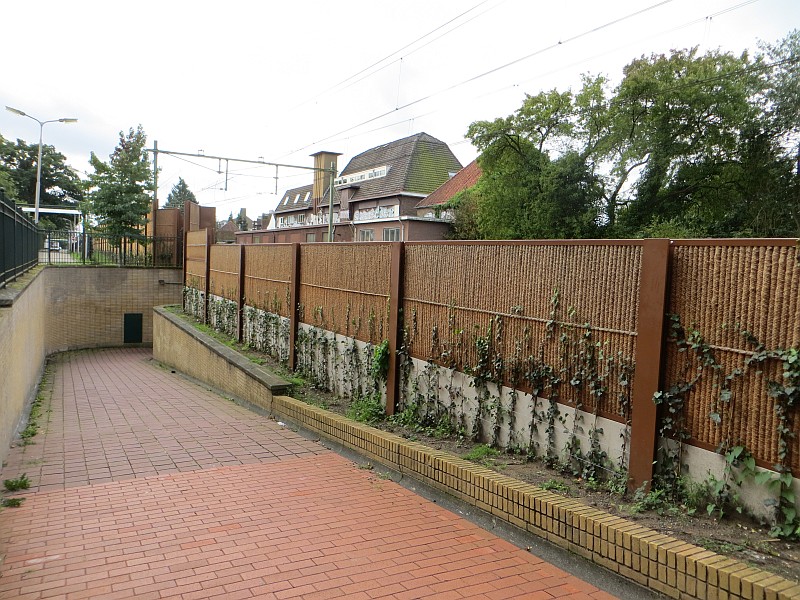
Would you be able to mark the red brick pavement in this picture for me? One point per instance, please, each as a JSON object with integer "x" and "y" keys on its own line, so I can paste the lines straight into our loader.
{"x": 299, "y": 522}
{"x": 115, "y": 415}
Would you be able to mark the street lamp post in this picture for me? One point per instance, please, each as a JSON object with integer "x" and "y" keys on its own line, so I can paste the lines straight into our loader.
{"x": 39, "y": 162}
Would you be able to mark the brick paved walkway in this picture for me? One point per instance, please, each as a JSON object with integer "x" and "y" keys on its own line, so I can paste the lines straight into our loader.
{"x": 145, "y": 485}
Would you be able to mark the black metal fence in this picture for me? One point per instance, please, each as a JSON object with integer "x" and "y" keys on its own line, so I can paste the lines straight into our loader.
{"x": 23, "y": 246}
{"x": 19, "y": 241}
{"x": 70, "y": 247}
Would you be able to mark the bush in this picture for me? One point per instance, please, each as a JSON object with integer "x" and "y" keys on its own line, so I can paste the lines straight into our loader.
{"x": 367, "y": 409}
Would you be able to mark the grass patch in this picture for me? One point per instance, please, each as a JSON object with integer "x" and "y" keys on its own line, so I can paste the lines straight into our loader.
{"x": 11, "y": 502}
{"x": 481, "y": 453}
{"x": 367, "y": 409}
{"x": 554, "y": 485}
{"x": 20, "y": 483}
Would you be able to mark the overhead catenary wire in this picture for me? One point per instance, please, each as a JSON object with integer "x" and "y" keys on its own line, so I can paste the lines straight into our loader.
{"x": 489, "y": 72}
{"x": 341, "y": 134}
{"x": 353, "y": 131}
{"x": 418, "y": 48}
{"x": 388, "y": 56}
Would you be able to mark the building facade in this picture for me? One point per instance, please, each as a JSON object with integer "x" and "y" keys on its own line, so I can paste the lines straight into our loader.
{"x": 375, "y": 197}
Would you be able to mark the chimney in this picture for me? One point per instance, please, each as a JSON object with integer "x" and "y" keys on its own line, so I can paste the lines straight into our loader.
{"x": 322, "y": 179}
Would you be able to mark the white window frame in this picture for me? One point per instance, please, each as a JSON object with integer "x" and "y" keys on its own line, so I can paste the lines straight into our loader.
{"x": 391, "y": 234}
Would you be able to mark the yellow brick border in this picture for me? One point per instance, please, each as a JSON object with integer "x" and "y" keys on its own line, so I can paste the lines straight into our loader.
{"x": 662, "y": 563}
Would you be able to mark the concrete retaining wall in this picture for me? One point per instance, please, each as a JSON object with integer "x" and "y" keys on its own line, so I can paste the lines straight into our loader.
{"x": 23, "y": 318}
{"x": 176, "y": 343}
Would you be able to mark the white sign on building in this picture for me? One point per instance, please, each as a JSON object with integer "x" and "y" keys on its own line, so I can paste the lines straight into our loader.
{"x": 375, "y": 173}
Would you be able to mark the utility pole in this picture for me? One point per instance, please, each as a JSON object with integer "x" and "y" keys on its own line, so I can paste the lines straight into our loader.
{"x": 155, "y": 186}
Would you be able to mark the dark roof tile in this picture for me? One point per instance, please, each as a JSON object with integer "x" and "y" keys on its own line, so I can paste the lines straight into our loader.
{"x": 417, "y": 164}
{"x": 298, "y": 198}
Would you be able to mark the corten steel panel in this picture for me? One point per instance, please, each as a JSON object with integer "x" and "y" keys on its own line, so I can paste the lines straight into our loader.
{"x": 196, "y": 254}
{"x": 267, "y": 276}
{"x": 526, "y": 298}
{"x": 652, "y": 297}
{"x": 735, "y": 294}
{"x": 192, "y": 216}
{"x": 224, "y": 271}
{"x": 345, "y": 288}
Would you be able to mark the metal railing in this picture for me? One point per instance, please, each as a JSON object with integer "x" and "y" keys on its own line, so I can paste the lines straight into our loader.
{"x": 19, "y": 241}
{"x": 70, "y": 247}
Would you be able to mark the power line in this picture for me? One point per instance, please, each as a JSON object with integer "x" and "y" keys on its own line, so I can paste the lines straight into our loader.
{"x": 428, "y": 43}
{"x": 489, "y": 72}
{"x": 388, "y": 56}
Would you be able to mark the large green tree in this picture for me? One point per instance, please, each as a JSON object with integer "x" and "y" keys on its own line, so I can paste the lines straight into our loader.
{"x": 121, "y": 187}
{"x": 688, "y": 143}
{"x": 179, "y": 194}
{"x": 61, "y": 187}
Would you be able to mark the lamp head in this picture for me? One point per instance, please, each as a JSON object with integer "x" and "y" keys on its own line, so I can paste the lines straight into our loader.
{"x": 16, "y": 111}
{"x": 65, "y": 120}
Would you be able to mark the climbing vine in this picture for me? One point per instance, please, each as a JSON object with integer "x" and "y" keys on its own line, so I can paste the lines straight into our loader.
{"x": 193, "y": 302}
{"x": 739, "y": 463}
{"x": 223, "y": 315}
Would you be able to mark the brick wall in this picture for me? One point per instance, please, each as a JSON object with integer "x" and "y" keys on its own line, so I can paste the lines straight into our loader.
{"x": 22, "y": 351}
{"x": 65, "y": 308}
{"x": 86, "y": 306}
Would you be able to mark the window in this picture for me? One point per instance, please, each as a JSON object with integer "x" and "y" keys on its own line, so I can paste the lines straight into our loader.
{"x": 366, "y": 235}
{"x": 311, "y": 237}
{"x": 301, "y": 218}
{"x": 256, "y": 239}
{"x": 391, "y": 234}
{"x": 325, "y": 237}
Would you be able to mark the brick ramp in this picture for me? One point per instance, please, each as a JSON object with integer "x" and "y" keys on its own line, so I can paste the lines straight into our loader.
{"x": 299, "y": 522}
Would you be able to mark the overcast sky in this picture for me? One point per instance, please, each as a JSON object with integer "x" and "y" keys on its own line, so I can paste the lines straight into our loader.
{"x": 281, "y": 80}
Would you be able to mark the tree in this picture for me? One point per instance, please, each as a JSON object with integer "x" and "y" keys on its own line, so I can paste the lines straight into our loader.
{"x": 121, "y": 187}
{"x": 696, "y": 144}
{"x": 179, "y": 195}
{"x": 680, "y": 112}
{"x": 60, "y": 187}
{"x": 522, "y": 192}
{"x": 464, "y": 207}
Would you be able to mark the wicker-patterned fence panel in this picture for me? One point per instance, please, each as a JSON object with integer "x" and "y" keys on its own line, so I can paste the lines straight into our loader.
{"x": 344, "y": 288}
{"x": 224, "y": 271}
{"x": 196, "y": 242}
{"x": 267, "y": 275}
{"x": 535, "y": 304}
{"x": 735, "y": 295}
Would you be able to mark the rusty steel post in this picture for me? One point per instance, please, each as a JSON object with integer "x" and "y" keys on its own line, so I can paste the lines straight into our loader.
{"x": 294, "y": 297}
{"x": 395, "y": 325}
{"x": 649, "y": 346}
{"x": 241, "y": 298}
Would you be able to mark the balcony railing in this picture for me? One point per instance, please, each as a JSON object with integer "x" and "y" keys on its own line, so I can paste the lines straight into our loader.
{"x": 379, "y": 212}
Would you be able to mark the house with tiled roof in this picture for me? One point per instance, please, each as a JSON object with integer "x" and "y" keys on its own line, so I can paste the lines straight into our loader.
{"x": 379, "y": 189}
{"x": 375, "y": 197}
{"x": 432, "y": 206}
